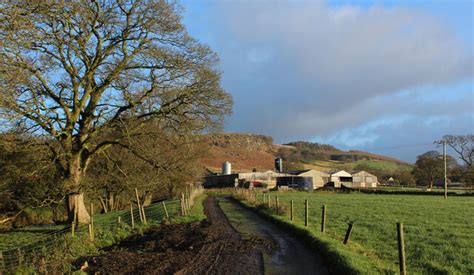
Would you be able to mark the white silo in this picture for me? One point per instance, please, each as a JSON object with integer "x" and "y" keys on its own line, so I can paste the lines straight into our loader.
{"x": 226, "y": 168}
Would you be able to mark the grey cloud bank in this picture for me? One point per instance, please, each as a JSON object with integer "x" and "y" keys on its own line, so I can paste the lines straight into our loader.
{"x": 306, "y": 70}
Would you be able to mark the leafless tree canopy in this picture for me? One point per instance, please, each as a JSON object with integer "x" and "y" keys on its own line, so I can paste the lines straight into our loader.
{"x": 462, "y": 145}
{"x": 72, "y": 70}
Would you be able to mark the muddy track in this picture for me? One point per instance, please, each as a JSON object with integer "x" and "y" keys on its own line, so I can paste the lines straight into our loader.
{"x": 225, "y": 251}
{"x": 209, "y": 247}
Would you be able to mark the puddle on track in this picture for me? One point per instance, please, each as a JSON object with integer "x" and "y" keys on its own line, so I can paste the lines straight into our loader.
{"x": 289, "y": 256}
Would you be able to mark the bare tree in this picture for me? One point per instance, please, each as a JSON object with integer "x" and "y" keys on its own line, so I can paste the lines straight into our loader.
{"x": 462, "y": 145}
{"x": 74, "y": 70}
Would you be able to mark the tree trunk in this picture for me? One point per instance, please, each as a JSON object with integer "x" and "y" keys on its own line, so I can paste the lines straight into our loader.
{"x": 75, "y": 200}
{"x": 75, "y": 204}
{"x": 430, "y": 184}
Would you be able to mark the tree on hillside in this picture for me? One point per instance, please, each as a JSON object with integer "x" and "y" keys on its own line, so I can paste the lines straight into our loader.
{"x": 428, "y": 167}
{"x": 74, "y": 71}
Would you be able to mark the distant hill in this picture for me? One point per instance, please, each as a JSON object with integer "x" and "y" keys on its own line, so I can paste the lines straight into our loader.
{"x": 248, "y": 151}
{"x": 310, "y": 151}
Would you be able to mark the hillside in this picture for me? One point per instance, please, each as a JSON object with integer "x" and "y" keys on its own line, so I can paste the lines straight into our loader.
{"x": 244, "y": 151}
{"x": 249, "y": 151}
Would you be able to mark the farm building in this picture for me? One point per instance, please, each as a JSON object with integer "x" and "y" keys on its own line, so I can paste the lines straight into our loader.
{"x": 339, "y": 178}
{"x": 363, "y": 179}
{"x": 265, "y": 179}
{"x": 319, "y": 178}
{"x": 296, "y": 182}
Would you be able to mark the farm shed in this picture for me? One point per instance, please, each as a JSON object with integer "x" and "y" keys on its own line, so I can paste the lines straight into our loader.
{"x": 319, "y": 178}
{"x": 267, "y": 179}
{"x": 341, "y": 177}
{"x": 363, "y": 179}
{"x": 296, "y": 182}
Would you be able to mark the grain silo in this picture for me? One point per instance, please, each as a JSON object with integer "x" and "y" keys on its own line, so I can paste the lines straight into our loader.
{"x": 226, "y": 168}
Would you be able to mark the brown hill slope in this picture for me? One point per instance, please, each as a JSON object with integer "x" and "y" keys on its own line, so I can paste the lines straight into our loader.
{"x": 244, "y": 151}
{"x": 248, "y": 151}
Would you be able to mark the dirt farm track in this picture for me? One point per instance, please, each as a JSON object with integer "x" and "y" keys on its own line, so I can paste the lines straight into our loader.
{"x": 213, "y": 246}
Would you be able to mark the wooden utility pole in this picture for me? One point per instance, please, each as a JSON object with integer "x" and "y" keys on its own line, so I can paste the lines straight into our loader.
{"x": 445, "y": 171}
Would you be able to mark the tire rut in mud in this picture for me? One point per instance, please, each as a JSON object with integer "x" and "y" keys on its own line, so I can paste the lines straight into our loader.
{"x": 208, "y": 247}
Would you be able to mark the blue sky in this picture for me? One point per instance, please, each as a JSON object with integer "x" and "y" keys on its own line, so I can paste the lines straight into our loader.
{"x": 389, "y": 77}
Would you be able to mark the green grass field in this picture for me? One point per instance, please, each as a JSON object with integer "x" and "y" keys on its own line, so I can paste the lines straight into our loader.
{"x": 438, "y": 232}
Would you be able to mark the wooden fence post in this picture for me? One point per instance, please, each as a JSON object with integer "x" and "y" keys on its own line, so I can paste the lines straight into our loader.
{"x": 72, "y": 229}
{"x": 276, "y": 204}
{"x": 138, "y": 203}
{"x": 144, "y": 215}
{"x": 291, "y": 210}
{"x": 401, "y": 249}
{"x": 166, "y": 210}
{"x": 92, "y": 215}
{"x": 323, "y": 219}
{"x": 348, "y": 232}
{"x": 131, "y": 215}
{"x": 306, "y": 213}
{"x": 91, "y": 232}
{"x": 91, "y": 225}
{"x": 182, "y": 205}
{"x": 269, "y": 200}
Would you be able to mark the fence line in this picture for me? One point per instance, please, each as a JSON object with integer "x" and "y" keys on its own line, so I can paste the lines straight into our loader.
{"x": 14, "y": 255}
{"x": 252, "y": 197}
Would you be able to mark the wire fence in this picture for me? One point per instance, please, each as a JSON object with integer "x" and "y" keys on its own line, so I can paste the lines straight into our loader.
{"x": 15, "y": 254}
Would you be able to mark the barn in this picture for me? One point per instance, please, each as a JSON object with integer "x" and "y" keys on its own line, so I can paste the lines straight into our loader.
{"x": 296, "y": 182}
{"x": 319, "y": 178}
{"x": 363, "y": 179}
{"x": 339, "y": 178}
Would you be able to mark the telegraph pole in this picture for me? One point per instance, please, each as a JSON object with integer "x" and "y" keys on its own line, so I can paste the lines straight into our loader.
{"x": 445, "y": 171}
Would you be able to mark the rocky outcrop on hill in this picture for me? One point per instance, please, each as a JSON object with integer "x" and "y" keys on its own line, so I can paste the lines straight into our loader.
{"x": 249, "y": 142}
